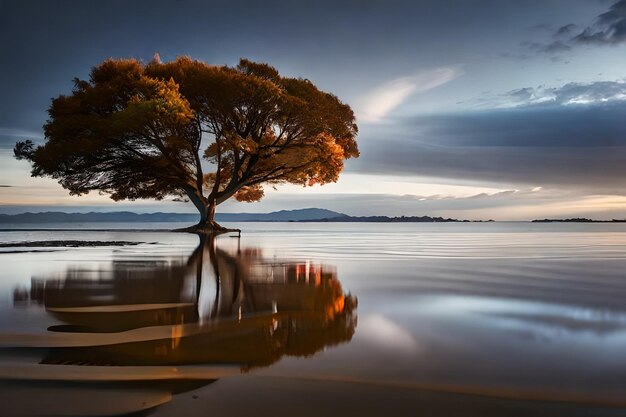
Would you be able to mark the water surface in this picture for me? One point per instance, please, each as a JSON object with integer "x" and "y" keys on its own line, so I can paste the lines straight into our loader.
{"x": 492, "y": 319}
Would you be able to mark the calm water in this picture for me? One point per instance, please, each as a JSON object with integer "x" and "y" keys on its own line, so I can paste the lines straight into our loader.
{"x": 494, "y": 319}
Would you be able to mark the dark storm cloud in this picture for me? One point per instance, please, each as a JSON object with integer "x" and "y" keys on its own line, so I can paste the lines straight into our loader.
{"x": 574, "y": 147}
{"x": 588, "y": 126}
{"x": 609, "y": 28}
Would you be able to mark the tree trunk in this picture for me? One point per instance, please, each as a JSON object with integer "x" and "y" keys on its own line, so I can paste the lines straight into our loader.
{"x": 207, "y": 218}
{"x": 206, "y": 208}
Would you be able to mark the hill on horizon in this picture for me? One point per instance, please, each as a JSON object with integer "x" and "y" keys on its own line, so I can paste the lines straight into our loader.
{"x": 306, "y": 214}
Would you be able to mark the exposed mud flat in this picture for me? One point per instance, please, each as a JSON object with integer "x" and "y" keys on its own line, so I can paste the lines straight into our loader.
{"x": 67, "y": 243}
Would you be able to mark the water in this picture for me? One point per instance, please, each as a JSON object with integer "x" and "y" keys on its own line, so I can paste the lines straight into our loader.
{"x": 479, "y": 319}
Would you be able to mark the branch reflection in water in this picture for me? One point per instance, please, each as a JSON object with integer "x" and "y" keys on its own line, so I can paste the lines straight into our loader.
{"x": 134, "y": 334}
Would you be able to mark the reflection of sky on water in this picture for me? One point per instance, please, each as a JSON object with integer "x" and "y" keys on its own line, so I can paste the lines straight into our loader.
{"x": 510, "y": 338}
{"x": 504, "y": 323}
{"x": 494, "y": 309}
{"x": 502, "y": 315}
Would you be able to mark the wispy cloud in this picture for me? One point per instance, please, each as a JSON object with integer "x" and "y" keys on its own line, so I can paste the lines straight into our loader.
{"x": 374, "y": 106}
{"x": 8, "y": 136}
{"x": 8, "y": 131}
{"x": 566, "y": 30}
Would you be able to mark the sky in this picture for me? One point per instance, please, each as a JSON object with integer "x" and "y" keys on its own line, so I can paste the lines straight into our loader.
{"x": 473, "y": 109}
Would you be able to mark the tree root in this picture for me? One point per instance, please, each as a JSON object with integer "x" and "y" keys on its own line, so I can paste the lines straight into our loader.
{"x": 208, "y": 229}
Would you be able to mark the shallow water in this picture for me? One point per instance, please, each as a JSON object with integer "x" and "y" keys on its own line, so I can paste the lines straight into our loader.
{"x": 489, "y": 319}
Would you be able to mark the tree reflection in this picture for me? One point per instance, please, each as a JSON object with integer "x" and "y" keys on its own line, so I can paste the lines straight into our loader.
{"x": 222, "y": 307}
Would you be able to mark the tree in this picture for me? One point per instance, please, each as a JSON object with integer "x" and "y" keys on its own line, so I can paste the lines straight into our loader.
{"x": 139, "y": 131}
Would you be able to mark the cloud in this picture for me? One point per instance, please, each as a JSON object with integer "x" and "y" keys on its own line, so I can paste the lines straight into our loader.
{"x": 8, "y": 136}
{"x": 374, "y": 106}
{"x": 598, "y": 92}
{"x": 549, "y": 48}
{"x": 565, "y": 30}
{"x": 573, "y": 147}
{"x": 609, "y": 28}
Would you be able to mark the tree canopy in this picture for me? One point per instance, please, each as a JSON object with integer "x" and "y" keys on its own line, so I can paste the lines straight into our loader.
{"x": 137, "y": 130}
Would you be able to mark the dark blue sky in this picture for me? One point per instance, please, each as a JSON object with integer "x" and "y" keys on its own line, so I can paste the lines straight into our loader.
{"x": 500, "y": 108}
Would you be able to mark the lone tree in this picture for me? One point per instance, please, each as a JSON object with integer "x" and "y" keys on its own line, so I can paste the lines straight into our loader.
{"x": 139, "y": 131}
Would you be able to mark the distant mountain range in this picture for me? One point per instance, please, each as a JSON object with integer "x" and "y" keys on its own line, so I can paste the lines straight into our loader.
{"x": 307, "y": 214}
{"x": 300, "y": 215}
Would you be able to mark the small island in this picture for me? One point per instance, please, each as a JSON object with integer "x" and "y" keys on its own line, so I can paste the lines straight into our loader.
{"x": 578, "y": 220}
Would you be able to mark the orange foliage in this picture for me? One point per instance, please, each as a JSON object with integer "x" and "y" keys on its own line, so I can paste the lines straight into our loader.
{"x": 249, "y": 193}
